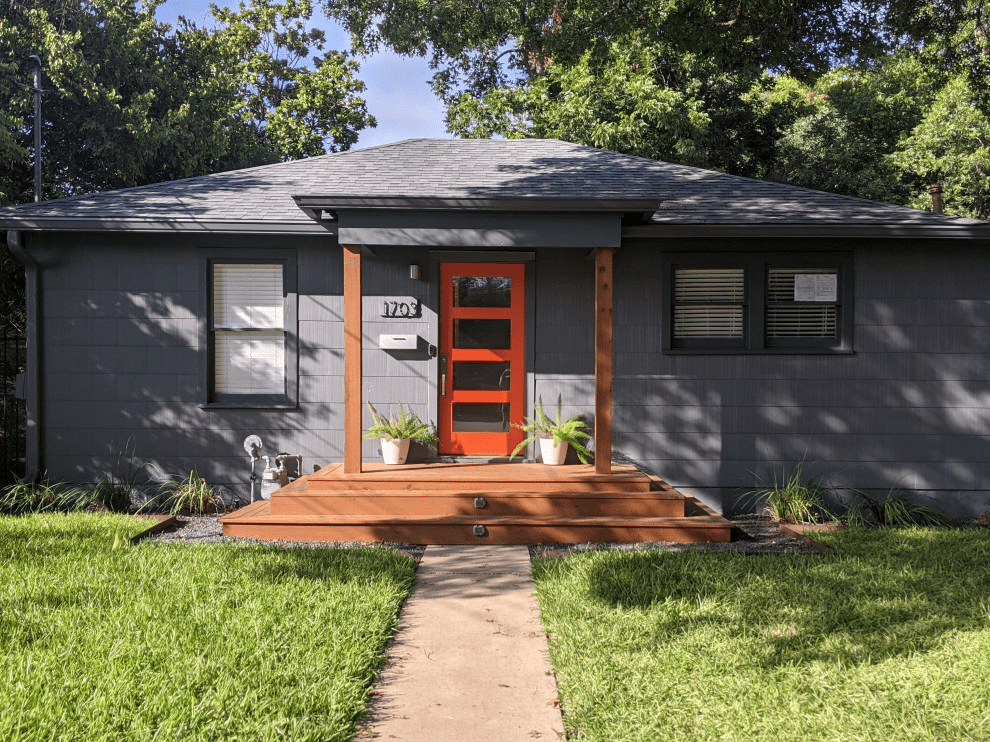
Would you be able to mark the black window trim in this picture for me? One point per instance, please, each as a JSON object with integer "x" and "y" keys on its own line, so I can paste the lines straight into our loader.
{"x": 208, "y": 257}
{"x": 756, "y": 265}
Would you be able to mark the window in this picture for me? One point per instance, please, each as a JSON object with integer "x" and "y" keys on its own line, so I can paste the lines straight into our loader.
{"x": 759, "y": 303}
{"x": 709, "y": 304}
{"x": 251, "y": 358}
{"x": 802, "y": 304}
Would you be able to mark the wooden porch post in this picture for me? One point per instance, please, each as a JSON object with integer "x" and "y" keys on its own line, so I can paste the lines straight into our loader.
{"x": 603, "y": 360}
{"x": 352, "y": 359}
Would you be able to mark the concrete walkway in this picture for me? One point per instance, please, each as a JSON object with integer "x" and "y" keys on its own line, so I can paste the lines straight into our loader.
{"x": 470, "y": 658}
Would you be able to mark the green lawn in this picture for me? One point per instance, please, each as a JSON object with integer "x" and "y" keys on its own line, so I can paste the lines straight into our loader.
{"x": 169, "y": 642}
{"x": 889, "y": 640}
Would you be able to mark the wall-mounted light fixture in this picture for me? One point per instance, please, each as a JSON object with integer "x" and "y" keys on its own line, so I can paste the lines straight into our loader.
{"x": 414, "y": 272}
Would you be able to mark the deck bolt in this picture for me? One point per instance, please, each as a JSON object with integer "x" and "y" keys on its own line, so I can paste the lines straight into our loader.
{"x": 479, "y": 530}
{"x": 480, "y": 503}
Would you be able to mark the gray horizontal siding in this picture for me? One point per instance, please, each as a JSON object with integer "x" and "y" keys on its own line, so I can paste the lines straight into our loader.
{"x": 121, "y": 352}
{"x": 564, "y": 339}
{"x": 909, "y": 409}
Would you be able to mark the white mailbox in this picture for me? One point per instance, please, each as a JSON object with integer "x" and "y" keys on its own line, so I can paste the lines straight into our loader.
{"x": 398, "y": 342}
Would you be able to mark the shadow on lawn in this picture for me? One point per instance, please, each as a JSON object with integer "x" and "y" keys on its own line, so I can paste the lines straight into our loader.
{"x": 363, "y": 566}
{"x": 886, "y": 594}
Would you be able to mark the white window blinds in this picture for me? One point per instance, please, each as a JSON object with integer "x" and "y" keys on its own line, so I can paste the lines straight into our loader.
{"x": 248, "y": 328}
{"x": 801, "y": 303}
{"x": 247, "y": 296}
{"x": 709, "y": 303}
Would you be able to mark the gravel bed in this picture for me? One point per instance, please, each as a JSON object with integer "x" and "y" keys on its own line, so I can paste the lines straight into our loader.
{"x": 755, "y": 535}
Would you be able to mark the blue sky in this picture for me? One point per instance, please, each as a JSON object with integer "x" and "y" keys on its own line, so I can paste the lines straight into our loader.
{"x": 398, "y": 93}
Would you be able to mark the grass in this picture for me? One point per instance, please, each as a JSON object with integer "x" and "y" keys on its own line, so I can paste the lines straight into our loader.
{"x": 888, "y": 639}
{"x": 168, "y": 642}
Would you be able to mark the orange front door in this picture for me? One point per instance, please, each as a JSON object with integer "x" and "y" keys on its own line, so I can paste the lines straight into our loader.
{"x": 482, "y": 342}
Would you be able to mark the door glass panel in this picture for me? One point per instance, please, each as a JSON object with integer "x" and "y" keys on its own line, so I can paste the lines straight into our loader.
{"x": 480, "y": 418}
{"x": 481, "y": 376}
{"x": 482, "y": 291}
{"x": 483, "y": 333}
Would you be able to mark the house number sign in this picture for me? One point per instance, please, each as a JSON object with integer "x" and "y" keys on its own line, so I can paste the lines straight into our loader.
{"x": 397, "y": 307}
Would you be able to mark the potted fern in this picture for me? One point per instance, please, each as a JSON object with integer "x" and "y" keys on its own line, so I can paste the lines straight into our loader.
{"x": 555, "y": 436}
{"x": 397, "y": 431}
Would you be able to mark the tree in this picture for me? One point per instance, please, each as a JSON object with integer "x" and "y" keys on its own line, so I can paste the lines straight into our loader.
{"x": 889, "y": 133}
{"x": 826, "y": 94}
{"x": 836, "y": 134}
{"x": 477, "y": 47}
{"x": 129, "y": 100}
{"x": 293, "y": 110}
{"x": 661, "y": 78}
{"x": 949, "y": 147}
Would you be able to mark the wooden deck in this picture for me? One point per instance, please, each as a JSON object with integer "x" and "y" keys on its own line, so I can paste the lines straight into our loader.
{"x": 466, "y": 503}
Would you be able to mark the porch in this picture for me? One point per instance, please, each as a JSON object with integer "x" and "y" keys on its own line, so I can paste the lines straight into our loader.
{"x": 485, "y": 329}
{"x": 479, "y": 503}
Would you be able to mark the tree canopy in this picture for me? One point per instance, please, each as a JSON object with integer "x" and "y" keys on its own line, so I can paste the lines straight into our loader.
{"x": 873, "y": 98}
{"x": 129, "y": 100}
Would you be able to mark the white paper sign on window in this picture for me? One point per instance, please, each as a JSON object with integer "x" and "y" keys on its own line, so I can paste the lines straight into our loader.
{"x": 816, "y": 287}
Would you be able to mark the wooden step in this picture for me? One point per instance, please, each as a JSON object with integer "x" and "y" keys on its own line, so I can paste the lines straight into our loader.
{"x": 487, "y": 476}
{"x": 435, "y": 504}
{"x": 257, "y": 522}
{"x": 302, "y": 500}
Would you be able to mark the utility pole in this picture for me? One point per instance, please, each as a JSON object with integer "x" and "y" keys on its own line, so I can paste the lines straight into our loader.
{"x": 36, "y": 89}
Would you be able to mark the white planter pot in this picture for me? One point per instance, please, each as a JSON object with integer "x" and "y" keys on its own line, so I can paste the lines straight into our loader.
{"x": 553, "y": 455}
{"x": 395, "y": 450}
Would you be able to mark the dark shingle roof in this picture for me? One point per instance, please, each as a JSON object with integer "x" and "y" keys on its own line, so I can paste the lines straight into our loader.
{"x": 261, "y": 197}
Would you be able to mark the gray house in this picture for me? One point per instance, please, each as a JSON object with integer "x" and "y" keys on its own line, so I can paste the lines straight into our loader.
{"x": 742, "y": 326}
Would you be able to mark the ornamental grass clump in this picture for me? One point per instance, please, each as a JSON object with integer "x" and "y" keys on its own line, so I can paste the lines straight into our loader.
{"x": 892, "y": 510}
{"x": 114, "y": 490}
{"x": 39, "y": 497}
{"x": 791, "y": 499}
{"x": 572, "y": 430}
{"x": 191, "y": 495}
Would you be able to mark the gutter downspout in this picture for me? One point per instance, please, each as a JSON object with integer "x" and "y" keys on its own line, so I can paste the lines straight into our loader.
{"x": 32, "y": 373}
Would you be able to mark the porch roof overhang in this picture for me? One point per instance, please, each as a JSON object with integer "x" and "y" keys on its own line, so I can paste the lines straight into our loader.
{"x": 485, "y": 222}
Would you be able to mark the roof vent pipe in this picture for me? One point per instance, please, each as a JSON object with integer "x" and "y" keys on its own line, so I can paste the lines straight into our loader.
{"x": 37, "y": 125}
{"x": 936, "y": 192}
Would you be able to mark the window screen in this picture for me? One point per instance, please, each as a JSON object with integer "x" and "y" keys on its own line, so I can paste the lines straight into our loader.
{"x": 709, "y": 303}
{"x": 248, "y": 328}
